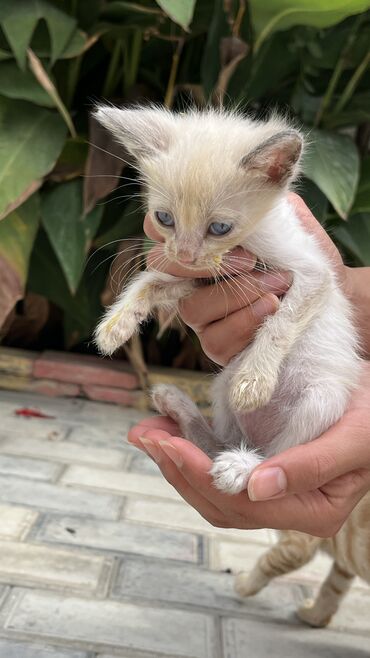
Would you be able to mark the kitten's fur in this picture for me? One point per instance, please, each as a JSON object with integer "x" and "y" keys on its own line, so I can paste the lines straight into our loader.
{"x": 294, "y": 380}
{"x": 350, "y": 548}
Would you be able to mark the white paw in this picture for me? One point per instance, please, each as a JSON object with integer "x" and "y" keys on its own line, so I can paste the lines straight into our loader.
{"x": 115, "y": 329}
{"x": 248, "y": 584}
{"x": 251, "y": 391}
{"x": 309, "y": 614}
{"x": 231, "y": 469}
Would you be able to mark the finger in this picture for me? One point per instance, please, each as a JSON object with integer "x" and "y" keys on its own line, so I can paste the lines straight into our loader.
{"x": 224, "y": 339}
{"x": 239, "y": 260}
{"x": 155, "y": 422}
{"x": 211, "y": 303}
{"x": 158, "y": 445}
{"x": 343, "y": 448}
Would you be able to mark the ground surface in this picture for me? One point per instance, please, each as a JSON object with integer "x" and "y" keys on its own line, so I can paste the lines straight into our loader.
{"x": 99, "y": 557}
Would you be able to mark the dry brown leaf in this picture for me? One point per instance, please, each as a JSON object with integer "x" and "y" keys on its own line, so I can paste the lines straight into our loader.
{"x": 232, "y": 51}
{"x": 23, "y": 328}
{"x": 104, "y": 165}
{"x": 11, "y": 289}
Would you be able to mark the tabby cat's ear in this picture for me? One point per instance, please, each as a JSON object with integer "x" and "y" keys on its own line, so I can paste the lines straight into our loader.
{"x": 143, "y": 131}
{"x": 275, "y": 159}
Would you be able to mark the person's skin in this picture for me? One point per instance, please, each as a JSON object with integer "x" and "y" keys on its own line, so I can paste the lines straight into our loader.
{"x": 318, "y": 483}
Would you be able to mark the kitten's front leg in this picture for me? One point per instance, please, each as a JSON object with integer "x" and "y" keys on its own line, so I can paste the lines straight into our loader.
{"x": 256, "y": 370}
{"x": 135, "y": 304}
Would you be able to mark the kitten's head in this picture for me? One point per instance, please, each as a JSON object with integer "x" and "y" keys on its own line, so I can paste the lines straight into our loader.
{"x": 210, "y": 176}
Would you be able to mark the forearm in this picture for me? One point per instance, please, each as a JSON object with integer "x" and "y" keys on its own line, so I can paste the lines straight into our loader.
{"x": 359, "y": 293}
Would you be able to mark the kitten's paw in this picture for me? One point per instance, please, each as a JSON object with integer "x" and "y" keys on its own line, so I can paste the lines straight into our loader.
{"x": 231, "y": 469}
{"x": 311, "y": 615}
{"x": 251, "y": 391}
{"x": 116, "y": 329}
{"x": 170, "y": 401}
{"x": 248, "y": 584}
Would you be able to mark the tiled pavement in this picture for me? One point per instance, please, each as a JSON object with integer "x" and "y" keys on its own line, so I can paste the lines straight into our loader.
{"x": 100, "y": 558}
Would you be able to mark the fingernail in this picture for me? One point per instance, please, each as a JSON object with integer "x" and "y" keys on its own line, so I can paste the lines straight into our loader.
{"x": 267, "y": 483}
{"x": 151, "y": 449}
{"x": 172, "y": 453}
{"x": 276, "y": 282}
{"x": 266, "y": 305}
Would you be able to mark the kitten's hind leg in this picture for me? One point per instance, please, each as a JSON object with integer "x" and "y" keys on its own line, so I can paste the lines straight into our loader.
{"x": 170, "y": 401}
{"x": 318, "y": 613}
{"x": 293, "y": 550}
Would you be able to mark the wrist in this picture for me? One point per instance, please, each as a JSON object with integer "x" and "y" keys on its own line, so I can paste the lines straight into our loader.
{"x": 357, "y": 288}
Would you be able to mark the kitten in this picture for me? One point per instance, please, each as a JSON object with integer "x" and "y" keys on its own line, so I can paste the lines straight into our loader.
{"x": 350, "y": 548}
{"x": 216, "y": 180}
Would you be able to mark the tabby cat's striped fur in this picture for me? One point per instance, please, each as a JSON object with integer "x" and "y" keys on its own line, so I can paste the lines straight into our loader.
{"x": 349, "y": 548}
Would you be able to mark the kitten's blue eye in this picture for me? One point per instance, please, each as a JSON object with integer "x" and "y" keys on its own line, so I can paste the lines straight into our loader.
{"x": 164, "y": 218}
{"x": 219, "y": 228}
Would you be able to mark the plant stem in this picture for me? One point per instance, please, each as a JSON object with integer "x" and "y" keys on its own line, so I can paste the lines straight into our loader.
{"x": 110, "y": 80}
{"x": 170, "y": 91}
{"x": 73, "y": 75}
{"x": 352, "y": 84}
{"x": 135, "y": 57}
{"x": 337, "y": 71}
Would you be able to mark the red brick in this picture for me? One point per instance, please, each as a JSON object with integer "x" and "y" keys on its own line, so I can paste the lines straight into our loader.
{"x": 116, "y": 395}
{"x": 54, "y": 389}
{"x": 84, "y": 369}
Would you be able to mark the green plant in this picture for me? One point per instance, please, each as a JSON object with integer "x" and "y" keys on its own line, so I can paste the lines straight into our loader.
{"x": 63, "y": 205}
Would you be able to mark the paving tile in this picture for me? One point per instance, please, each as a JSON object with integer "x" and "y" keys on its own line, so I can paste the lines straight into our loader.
{"x": 113, "y": 624}
{"x": 100, "y": 437}
{"x": 288, "y": 641}
{"x": 31, "y": 564}
{"x": 61, "y": 499}
{"x": 119, "y": 482}
{"x": 32, "y": 428}
{"x": 180, "y": 515}
{"x": 10, "y": 649}
{"x": 120, "y": 537}
{"x": 62, "y": 451}
{"x": 35, "y": 469}
{"x": 59, "y": 407}
{"x": 15, "y": 521}
{"x": 141, "y": 463}
{"x": 194, "y": 586}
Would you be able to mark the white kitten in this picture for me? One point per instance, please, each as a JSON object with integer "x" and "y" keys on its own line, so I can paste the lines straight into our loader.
{"x": 216, "y": 180}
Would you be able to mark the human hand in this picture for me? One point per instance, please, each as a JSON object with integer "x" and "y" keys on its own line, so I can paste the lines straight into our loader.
{"x": 238, "y": 306}
{"x": 320, "y": 482}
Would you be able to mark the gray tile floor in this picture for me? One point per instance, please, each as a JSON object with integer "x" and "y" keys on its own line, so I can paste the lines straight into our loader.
{"x": 100, "y": 558}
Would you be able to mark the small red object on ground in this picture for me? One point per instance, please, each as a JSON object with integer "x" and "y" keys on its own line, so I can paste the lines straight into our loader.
{"x": 31, "y": 413}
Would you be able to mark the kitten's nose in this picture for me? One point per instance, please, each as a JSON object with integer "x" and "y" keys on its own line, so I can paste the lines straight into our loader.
{"x": 185, "y": 257}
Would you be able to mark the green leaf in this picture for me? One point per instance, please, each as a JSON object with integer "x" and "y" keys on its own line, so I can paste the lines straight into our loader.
{"x": 180, "y": 11}
{"x": 272, "y": 15}
{"x": 362, "y": 201}
{"x": 15, "y": 83}
{"x": 31, "y": 139}
{"x": 69, "y": 231}
{"x": 354, "y": 235}
{"x": 332, "y": 162}
{"x": 17, "y": 235}
{"x": 19, "y": 20}
{"x": 129, "y": 224}
{"x": 211, "y": 62}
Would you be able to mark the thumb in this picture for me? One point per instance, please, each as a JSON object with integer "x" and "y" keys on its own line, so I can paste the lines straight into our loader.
{"x": 342, "y": 449}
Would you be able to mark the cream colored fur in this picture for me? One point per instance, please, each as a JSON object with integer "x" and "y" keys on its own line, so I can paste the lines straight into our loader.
{"x": 294, "y": 380}
{"x": 349, "y": 548}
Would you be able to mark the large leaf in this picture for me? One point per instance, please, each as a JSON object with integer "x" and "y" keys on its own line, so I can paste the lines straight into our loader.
{"x": 354, "y": 235}
{"x": 272, "y": 15}
{"x": 31, "y": 139}
{"x": 19, "y": 20}
{"x": 15, "y": 83}
{"x": 17, "y": 234}
{"x": 332, "y": 162}
{"x": 180, "y": 11}
{"x": 362, "y": 201}
{"x": 69, "y": 231}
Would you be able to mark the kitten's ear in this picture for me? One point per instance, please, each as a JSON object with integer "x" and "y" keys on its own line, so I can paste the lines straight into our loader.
{"x": 276, "y": 158}
{"x": 143, "y": 131}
